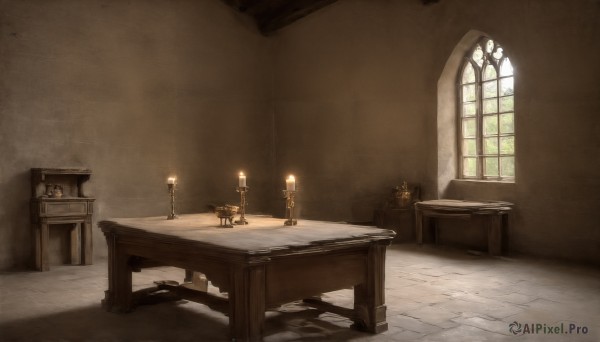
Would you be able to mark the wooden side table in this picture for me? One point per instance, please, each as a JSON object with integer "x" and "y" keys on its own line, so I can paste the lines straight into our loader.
{"x": 71, "y": 207}
{"x": 494, "y": 212}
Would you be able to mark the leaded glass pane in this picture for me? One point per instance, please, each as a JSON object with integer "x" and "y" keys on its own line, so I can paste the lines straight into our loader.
{"x": 507, "y": 123}
{"x": 507, "y": 86}
{"x": 490, "y": 89}
{"x": 507, "y": 104}
{"x": 469, "y": 147}
{"x": 478, "y": 55}
{"x": 489, "y": 46}
{"x": 468, "y": 74}
{"x": 489, "y": 73}
{"x": 498, "y": 53}
{"x": 469, "y": 167}
{"x": 469, "y": 128}
{"x": 469, "y": 93}
{"x": 490, "y": 106}
{"x": 507, "y": 166}
{"x": 490, "y": 166}
{"x": 469, "y": 109}
{"x": 490, "y": 145}
{"x": 506, "y": 69}
{"x": 490, "y": 125}
{"x": 507, "y": 145}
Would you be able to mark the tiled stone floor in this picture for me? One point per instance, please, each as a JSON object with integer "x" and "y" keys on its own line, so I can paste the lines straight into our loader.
{"x": 432, "y": 294}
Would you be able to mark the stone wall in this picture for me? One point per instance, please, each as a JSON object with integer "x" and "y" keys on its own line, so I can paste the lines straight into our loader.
{"x": 365, "y": 84}
{"x": 136, "y": 91}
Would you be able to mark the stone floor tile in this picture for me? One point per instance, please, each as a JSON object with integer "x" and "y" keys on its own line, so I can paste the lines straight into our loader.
{"x": 434, "y": 272}
{"x": 282, "y": 336}
{"x": 465, "y": 333}
{"x": 406, "y": 335}
{"x": 433, "y": 315}
{"x": 492, "y": 325}
{"x": 461, "y": 307}
{"x": 501, "y": 311}
{"x": 402, "y": 281}
{"x": 515, "y": 298}
{"x": 413, "y": 324}
{"x": 402, "y": 305}
{"x": 415, "y": 292}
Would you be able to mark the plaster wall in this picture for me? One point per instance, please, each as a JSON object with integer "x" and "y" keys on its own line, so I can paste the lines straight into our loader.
{"x": 351, "y": 105}
{"x": 136, "y": 91}
{"x": 360, "y": 104}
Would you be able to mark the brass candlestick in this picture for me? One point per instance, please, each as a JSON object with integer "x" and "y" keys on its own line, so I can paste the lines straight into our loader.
{"x": 289, "y": 196}
{"x": 242, "y": 190}
{"x": 172, "y": 215}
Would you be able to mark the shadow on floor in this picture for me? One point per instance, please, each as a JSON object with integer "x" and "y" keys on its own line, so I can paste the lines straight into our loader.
{"x": 176, "y": 321}
{"x": 168, "y": 322}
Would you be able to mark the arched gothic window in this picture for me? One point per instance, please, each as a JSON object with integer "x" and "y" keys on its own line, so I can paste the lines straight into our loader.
{"x": 486, "y": 113}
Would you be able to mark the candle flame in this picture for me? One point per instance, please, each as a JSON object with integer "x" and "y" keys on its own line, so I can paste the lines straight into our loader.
{"x": 291, "y": 177}
{"x": 241, "y": 173}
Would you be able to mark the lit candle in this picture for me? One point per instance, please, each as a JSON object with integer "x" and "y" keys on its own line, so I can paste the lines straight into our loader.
{"x": 290, "y": 183}
{"x": 171, "y": 180}
{"x": 242, "y": 180}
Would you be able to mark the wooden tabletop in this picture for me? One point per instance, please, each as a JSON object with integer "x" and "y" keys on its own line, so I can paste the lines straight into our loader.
{"x": 446, "y": 204}
{"x": 262, "y": 234}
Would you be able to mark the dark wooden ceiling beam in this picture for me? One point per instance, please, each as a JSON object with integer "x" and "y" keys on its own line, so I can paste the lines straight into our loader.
{"x": 251, "y": 7}
{"x": 271, "y": 15}
{"x": 287, "y": 13}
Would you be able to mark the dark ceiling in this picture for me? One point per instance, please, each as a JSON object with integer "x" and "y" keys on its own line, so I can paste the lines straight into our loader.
{"x": 271, "y": 15}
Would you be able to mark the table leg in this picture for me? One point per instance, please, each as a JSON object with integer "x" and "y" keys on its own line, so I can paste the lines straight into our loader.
{"x": 494, "y": 234}
{"x": 87, "y": 243}
{"x": 118, "y": 297}
{"x": 419, "y": 226}
{"x": 434, "y": 225}
{"x": 504, "y": 233}
{"x": 37, "y": 236}
{"x": 369, "y": 298}
{"x": 43, "y": 262}
{"x": 75, "y": 244}
{"x": 247, "y": 303}
{"x": 123, "y": 296}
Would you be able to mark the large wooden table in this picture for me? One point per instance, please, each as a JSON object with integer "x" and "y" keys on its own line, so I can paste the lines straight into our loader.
{"x": 261, "y": 265}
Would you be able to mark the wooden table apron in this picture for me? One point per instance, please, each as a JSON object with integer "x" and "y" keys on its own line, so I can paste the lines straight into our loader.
{"x": 259, "y": 279}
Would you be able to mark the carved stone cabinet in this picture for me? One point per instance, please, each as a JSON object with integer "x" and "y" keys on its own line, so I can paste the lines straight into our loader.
{"x": 58, "y": 198}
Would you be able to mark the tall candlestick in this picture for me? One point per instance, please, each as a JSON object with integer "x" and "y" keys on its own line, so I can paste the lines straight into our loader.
{"x": 242, "y": 180}
{"x": 290, "y": 196}
{"x": 242, "y": 190}
{"x": 290, "y": 183}
{"x": 171, "y": 183}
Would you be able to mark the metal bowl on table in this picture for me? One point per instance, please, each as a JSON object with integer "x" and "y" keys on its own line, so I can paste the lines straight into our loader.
{"x": 226, "y": 213}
